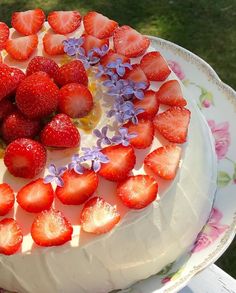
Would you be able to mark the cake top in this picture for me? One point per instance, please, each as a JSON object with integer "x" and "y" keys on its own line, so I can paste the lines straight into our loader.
{"x": 99, "y": 90}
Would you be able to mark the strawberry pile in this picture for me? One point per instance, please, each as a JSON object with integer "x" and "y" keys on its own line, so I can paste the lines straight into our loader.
{"x": 37, "y": 111}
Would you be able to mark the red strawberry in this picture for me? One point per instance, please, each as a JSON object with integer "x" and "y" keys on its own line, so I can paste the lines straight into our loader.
{"x": 72, "y": 72}
{"x": 11, "y": 236}
{"x": 22, "y": 48}
{"x": 60, "y": 132}
{"x": 25, "y": 158}
{"x": 112, "y": 56}
{"x": 75, "y": 100}
{"x": 149, "y": 104}
{"x": 136, "y": 74}
{"x": 155, "y": 67}
{"x": 91, "y": 42}
{"x": 64, "y": 22}
{"x": 36, "y": 196}
{"x": 16, "y": 126}
{"x": 6, "y": 108}
{"x": 40, "y": 63}
{"x": 164, "y": 161}
{"x": 51, "y": 228}
{"x": 121, "y": 161}
{"x": 137, "y": 192}
{"x": 99, "y": 25}
{"x": 37, "y": 95}
{"x": 4, "y": 35}
{"x": 53, "y": 44}
{"x": 145, "y": 132}
{"x": 129, "y": 42}
{"x": 7, "y": 199}
{"x": 173, "y": 124}
{"x": 170, "y": 93}
{"x": 77, "y": 188}
{"x": 98, "y": 216}
{"x": 28, "y": 22}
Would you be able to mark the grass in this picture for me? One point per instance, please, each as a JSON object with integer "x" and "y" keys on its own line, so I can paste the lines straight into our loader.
{"x": 205, "y": 27}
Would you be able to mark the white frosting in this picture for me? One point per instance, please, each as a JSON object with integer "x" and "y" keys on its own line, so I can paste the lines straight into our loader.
{"x": 139, "y": 246}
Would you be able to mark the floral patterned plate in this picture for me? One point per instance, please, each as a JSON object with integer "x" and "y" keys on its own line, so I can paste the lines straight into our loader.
{"x": 217, "y": 101}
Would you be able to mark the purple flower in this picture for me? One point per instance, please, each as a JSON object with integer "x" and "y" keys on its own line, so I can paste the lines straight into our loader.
{"x": 138, "y": 88}
{"x": 120, "y": 111}
{"x": 102, "y": 135}
{"x": 55, "y": 175}
{"x": 95, "y": 156}
{"x": 73, "y": 45}
{"x": 132, "y": 113}
{"x": 101, "y": 51}
{"x": 110, "y": 83}
{"x": 119, "y": 66}
{"x": 103, "y": 71}
{"x": 76, "y": 164}
{"x": 89, "y": 59}
{"x": 124, "y": 137}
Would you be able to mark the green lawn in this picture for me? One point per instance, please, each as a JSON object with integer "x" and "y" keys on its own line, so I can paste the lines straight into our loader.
{"x": 205, "y": 27}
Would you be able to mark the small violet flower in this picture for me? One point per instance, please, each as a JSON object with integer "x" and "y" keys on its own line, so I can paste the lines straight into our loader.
{"x": 102, "y": 136}
{"x": 95, "y": 156}
{"x": 138, "y": 88}
{"x": 120, "y": 110}
{"x": 103, "y": 71}
{"x": 76, "y": 164}
{"x": 73, "y": 45}
{"x": 101, "y": 51}
{"x": 55, "y": 175}
{"x": 89, "y": 59}
{"x": 119, "y": 66}
{"x": 132, "y": 113}
{"x": 124, "y": 137}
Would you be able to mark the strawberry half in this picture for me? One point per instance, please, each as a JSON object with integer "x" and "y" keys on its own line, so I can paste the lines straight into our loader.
{"x": 77, "y": 188}
{"x": 129, "y": 42}
{"x": 22, "y": 48}
{"x": 98, "y": 216}
{"x": 75, "y": 100}
{"x": 98, "y": 25}
{"x": 7, "y": 199}
{"x": 4, "y": 35}
{"x": 137, "y": 192}
{"x": 121, "y": 161}
{"x": 155, "y": 67}
{"x": 64, "y": 22}
{"x": 170, "y": 93}
{"x": 53, "y": 44}
{"x": 173, "y": 124}
{"x": 28, "y": 22}
{"x": 60, "y": 132}
{"x": 11, "y": 236}
{"x": 136, "y": 74}
{"x": 149, "y": 103}
{"x": 72, "y": 72}
{"x": 91, "y": 42}
{"x": 51, "y": 228}
{"x": 112, "y": 56}
{"x": 145, "y": 132}
{"x": 36, "y": 196}
{"x": 164, "y": 161}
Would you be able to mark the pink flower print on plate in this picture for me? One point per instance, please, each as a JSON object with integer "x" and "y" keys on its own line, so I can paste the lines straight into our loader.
{"x": 177, "y": 69}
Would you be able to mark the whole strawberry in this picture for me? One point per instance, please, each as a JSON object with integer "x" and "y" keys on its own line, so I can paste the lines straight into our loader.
{"x": 25, "y": 158}
{"x": 60, "y": 132}
{"x": 37, "y": 95}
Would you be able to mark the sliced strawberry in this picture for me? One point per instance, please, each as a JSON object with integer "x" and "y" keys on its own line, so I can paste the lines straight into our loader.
{"x": 136, "y": 74}
{"x": 129, "y": 42}
{"x": 91, "y": 42}
{"x": 22, "y": 48}
{"x": 7, "y": 199}
{"x": 4, "y": 35}
{"x": 155, "y": 67}
{"x": 36, "y": 196}
{"x": 121, "y": 161}
{"x": 28, "y": 22}
{"x": 51, "y": 228}
{"x": 6, "y": 108}
{"x": 170, "y": 93}
{"x": 40, "y": 63}
{"x": 164, "y": 161}
{"x": 98, "y": 25}
{"x": 137, "y": 192}
{"x": 11, "y": 236}
{"x": 72, "y": 72}
{"x": 77, "y": 188}
{"x": 75, "y": 100}
{"x": 53, "y": 44}
{"x": 112, "y": 56}
{"x": 60, "y": 132}
{"x": 64, "y": 22}
{"x": 98, "y": 216}
{"x": 145, "y": 132}
{"x": 173, "y": 124}
{"x": 149, "y": 104}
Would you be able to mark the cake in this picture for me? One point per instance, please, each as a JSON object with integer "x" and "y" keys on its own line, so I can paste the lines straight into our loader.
{"x": 146, "y": 197}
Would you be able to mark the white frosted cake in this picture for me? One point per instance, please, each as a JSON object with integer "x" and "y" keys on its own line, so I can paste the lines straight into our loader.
{"x": 147, "y": 235}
